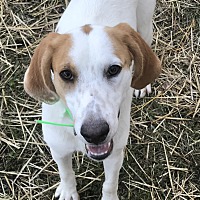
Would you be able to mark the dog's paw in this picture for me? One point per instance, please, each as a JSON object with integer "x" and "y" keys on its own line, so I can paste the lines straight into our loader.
{"x": 109, "y": 191}
{"x": 141, "y": 93}
{"x": 65, "y": 193}
{"x": 109, "y": 197}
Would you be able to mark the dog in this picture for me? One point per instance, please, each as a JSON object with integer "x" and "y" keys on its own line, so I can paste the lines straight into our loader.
{"x": 92, "y": 64}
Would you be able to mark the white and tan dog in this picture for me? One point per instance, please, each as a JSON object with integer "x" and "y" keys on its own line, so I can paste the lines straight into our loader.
{"x": 96, "y": 58}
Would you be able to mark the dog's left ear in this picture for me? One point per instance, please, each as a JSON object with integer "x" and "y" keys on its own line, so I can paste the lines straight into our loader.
{"x": 147, "y": 66}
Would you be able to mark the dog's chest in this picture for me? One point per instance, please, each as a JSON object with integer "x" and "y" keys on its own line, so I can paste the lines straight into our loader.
{"x": 107, "y": 13}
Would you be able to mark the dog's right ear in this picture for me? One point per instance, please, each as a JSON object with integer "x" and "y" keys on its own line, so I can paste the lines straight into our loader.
{"x": 37, "y": 81}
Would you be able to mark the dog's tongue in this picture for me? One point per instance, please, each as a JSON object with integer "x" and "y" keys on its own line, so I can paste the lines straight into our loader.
{"x": 99, "y": 149}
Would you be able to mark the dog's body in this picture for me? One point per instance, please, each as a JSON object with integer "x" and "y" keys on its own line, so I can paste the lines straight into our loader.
{"x": 92, "y": 67}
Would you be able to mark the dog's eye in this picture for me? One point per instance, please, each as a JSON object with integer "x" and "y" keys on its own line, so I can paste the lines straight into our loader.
{"x": 67, "y": 75}
{"x": 113, "y": 70}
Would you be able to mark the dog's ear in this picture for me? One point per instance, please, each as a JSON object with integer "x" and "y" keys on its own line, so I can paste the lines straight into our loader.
{"x": 37, "y": 80}
{"x": 147, "y": 66}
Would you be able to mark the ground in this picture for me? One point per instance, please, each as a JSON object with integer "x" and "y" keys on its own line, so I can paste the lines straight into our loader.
{"x": 162, "y": 158}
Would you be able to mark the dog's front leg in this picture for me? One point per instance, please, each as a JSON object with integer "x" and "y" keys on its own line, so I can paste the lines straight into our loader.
{"x": 112, "y": 166}
{"x": 67, "y": 188}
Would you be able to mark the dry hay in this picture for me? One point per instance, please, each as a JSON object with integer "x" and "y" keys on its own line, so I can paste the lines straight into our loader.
{"x": 162, "y": 159}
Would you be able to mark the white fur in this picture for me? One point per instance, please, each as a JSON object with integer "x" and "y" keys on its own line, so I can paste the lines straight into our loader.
{"x": 93, "y": 93}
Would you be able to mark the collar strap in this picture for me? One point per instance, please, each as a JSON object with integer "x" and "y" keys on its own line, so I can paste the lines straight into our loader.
{"x": 67, "y": 111}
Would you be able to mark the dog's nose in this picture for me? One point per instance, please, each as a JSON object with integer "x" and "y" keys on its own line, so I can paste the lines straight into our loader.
{"x": 95, "y": 131}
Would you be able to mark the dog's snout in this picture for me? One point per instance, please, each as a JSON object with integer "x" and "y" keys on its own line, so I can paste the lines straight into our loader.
{"x": 95, "y": 131}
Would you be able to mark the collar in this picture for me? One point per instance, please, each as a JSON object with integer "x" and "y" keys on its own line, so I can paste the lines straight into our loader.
{"x": 67, "y": 112}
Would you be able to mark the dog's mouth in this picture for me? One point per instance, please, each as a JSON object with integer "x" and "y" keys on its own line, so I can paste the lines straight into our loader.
{"x": 100, "y": 151}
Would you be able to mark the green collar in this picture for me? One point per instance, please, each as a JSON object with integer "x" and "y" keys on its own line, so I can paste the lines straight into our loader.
{"x": 67, "y": 111}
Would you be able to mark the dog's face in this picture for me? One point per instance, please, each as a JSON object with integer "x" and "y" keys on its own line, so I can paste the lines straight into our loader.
{"x": 92, "y": 67}
{"x": 93, "y": 82}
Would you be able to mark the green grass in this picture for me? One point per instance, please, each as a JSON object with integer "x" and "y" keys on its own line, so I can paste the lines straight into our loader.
{"x": 162, "y": 158}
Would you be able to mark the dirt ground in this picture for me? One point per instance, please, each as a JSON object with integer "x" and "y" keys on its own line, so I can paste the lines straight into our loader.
{"x": 162, "y": 158}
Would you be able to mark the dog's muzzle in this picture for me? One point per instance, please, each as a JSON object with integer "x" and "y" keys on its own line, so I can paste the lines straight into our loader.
{"x": 95, "y": 132}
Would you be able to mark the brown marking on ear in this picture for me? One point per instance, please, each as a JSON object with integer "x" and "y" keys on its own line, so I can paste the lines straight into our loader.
{"x": 147, "y": 66}
{"x": 37, "y": 80}
{"x": 87, "y": 29}
{"x": 120, "y": 48}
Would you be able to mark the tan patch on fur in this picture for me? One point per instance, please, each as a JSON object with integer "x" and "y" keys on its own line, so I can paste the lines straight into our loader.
{"x": 51, "y": 53}
{"x": 87, "y": 29}
{"x": 129, "y": 45}
{"x": 120, "y": 48}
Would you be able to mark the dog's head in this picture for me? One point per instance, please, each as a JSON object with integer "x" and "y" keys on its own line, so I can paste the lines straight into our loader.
{"x": 93, "y": 69}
